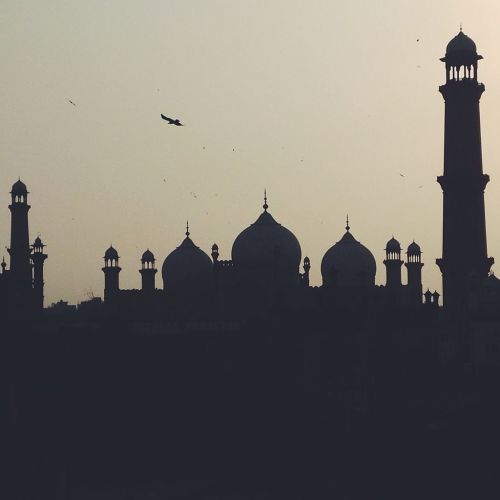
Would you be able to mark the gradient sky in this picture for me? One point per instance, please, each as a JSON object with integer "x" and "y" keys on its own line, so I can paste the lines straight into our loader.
{"x": 325, "y": 103}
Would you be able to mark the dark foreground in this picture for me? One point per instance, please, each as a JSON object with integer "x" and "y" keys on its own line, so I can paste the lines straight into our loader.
{"x": 115, "y": 411}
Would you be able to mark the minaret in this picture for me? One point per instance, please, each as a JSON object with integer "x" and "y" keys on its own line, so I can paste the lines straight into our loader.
{"x": 19, "y": 251}
{"x": 38, "y": 258}
{"x": 148, "y": 271}
{"x": 414, "y": 266}
{"x": 464, "y": 230}
{"x": 111, "y": 272}
{"x": 393, "y": 264}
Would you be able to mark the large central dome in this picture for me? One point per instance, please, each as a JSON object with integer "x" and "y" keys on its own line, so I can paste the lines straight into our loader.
{"x": 266, "y": 241}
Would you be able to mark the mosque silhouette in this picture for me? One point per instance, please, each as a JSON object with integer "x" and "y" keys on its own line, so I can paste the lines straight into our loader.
{"x": 238, "y": 379}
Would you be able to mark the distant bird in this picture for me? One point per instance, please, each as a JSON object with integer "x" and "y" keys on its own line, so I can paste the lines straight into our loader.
{"x": 171, "y": 121}
{"x": 71, "y": 102}
{"x": 418, "y": 39}
{"x": 164, "y": 180}
{"x": 401, "y": 175}
{"x": 420, "y": 187}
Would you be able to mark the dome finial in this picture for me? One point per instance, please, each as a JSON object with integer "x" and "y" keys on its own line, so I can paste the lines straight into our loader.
{"x": 265, "y": 206}
{"x": 460, "y": 27}
{"x": 187, "y": 229}
{"x": 347, "y": 227}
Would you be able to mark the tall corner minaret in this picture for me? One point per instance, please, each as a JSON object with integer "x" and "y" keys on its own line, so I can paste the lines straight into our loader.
{"x": 38, "y": 258}
{"x": 465, "y": 255}
{"x": 148, "y": 271}
{"x": 20, "y": 250}
{"x": 111, "y": 272}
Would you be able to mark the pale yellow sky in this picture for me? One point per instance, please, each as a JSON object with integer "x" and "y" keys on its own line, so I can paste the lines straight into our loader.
{"x": 325, "y": 103}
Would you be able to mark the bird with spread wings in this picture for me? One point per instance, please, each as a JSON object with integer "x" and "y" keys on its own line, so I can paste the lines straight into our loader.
{"x": 171, "y": 121}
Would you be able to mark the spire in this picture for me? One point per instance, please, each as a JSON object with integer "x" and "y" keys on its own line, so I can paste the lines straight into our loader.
{"x": 187, "y": 229}
{"x": 347, "y": 227}
{"x": 265, "y": 206}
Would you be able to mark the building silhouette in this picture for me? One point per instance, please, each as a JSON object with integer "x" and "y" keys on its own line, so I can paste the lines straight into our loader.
{"x": 22, "y": 283}
{"x": 238, "y": 379}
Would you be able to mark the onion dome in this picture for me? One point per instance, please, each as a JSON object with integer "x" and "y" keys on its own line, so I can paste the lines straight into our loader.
{"x": 148, "y": 256}
{"x": 187, "y": 268}
{"x": 19, "y": 188}
{"x": 266, "y": 242}
{"x": 461, "y": 50}
{"x": 413, "y": 249}
{"x": 38, "y": 245}
{"x": 111, "y": 254}
{"x": 393, "y": 246}
{"x": 348, "y": 263}
{"x": 461, "y": 43}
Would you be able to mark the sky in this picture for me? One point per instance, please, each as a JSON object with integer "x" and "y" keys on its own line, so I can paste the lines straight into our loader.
{"x": 333, "y": 107}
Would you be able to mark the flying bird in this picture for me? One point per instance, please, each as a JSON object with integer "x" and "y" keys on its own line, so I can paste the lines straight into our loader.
{"x": 401, "y": 175}
{"x": 71, "y": 102}
{"x": 171, "y": 121}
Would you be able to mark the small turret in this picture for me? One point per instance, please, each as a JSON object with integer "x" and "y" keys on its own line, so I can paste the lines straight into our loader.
{"x": 414, "y": 266}
{"x": 111, "y": 272}
{"x": 38, "y": 258}
{"x": 215, "y": 253}
{"x": 393, "y": 264}
{"x": 307, "y": 267}
{"x": 148, "y": 271}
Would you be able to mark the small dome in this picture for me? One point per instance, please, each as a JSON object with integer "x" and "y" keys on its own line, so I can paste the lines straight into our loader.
{"x": 148, "y": 256}
{"x": 393, "y": 245}
{"x": 19, "y": 188}
{"x": 413, "y": 249}
{"x": 111, "y": 253}
{"x": 348, "y": 263}
{"x": 266, "y": 241}
{"x": 187, "y": 268}
{"x": 461, "y": 43}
